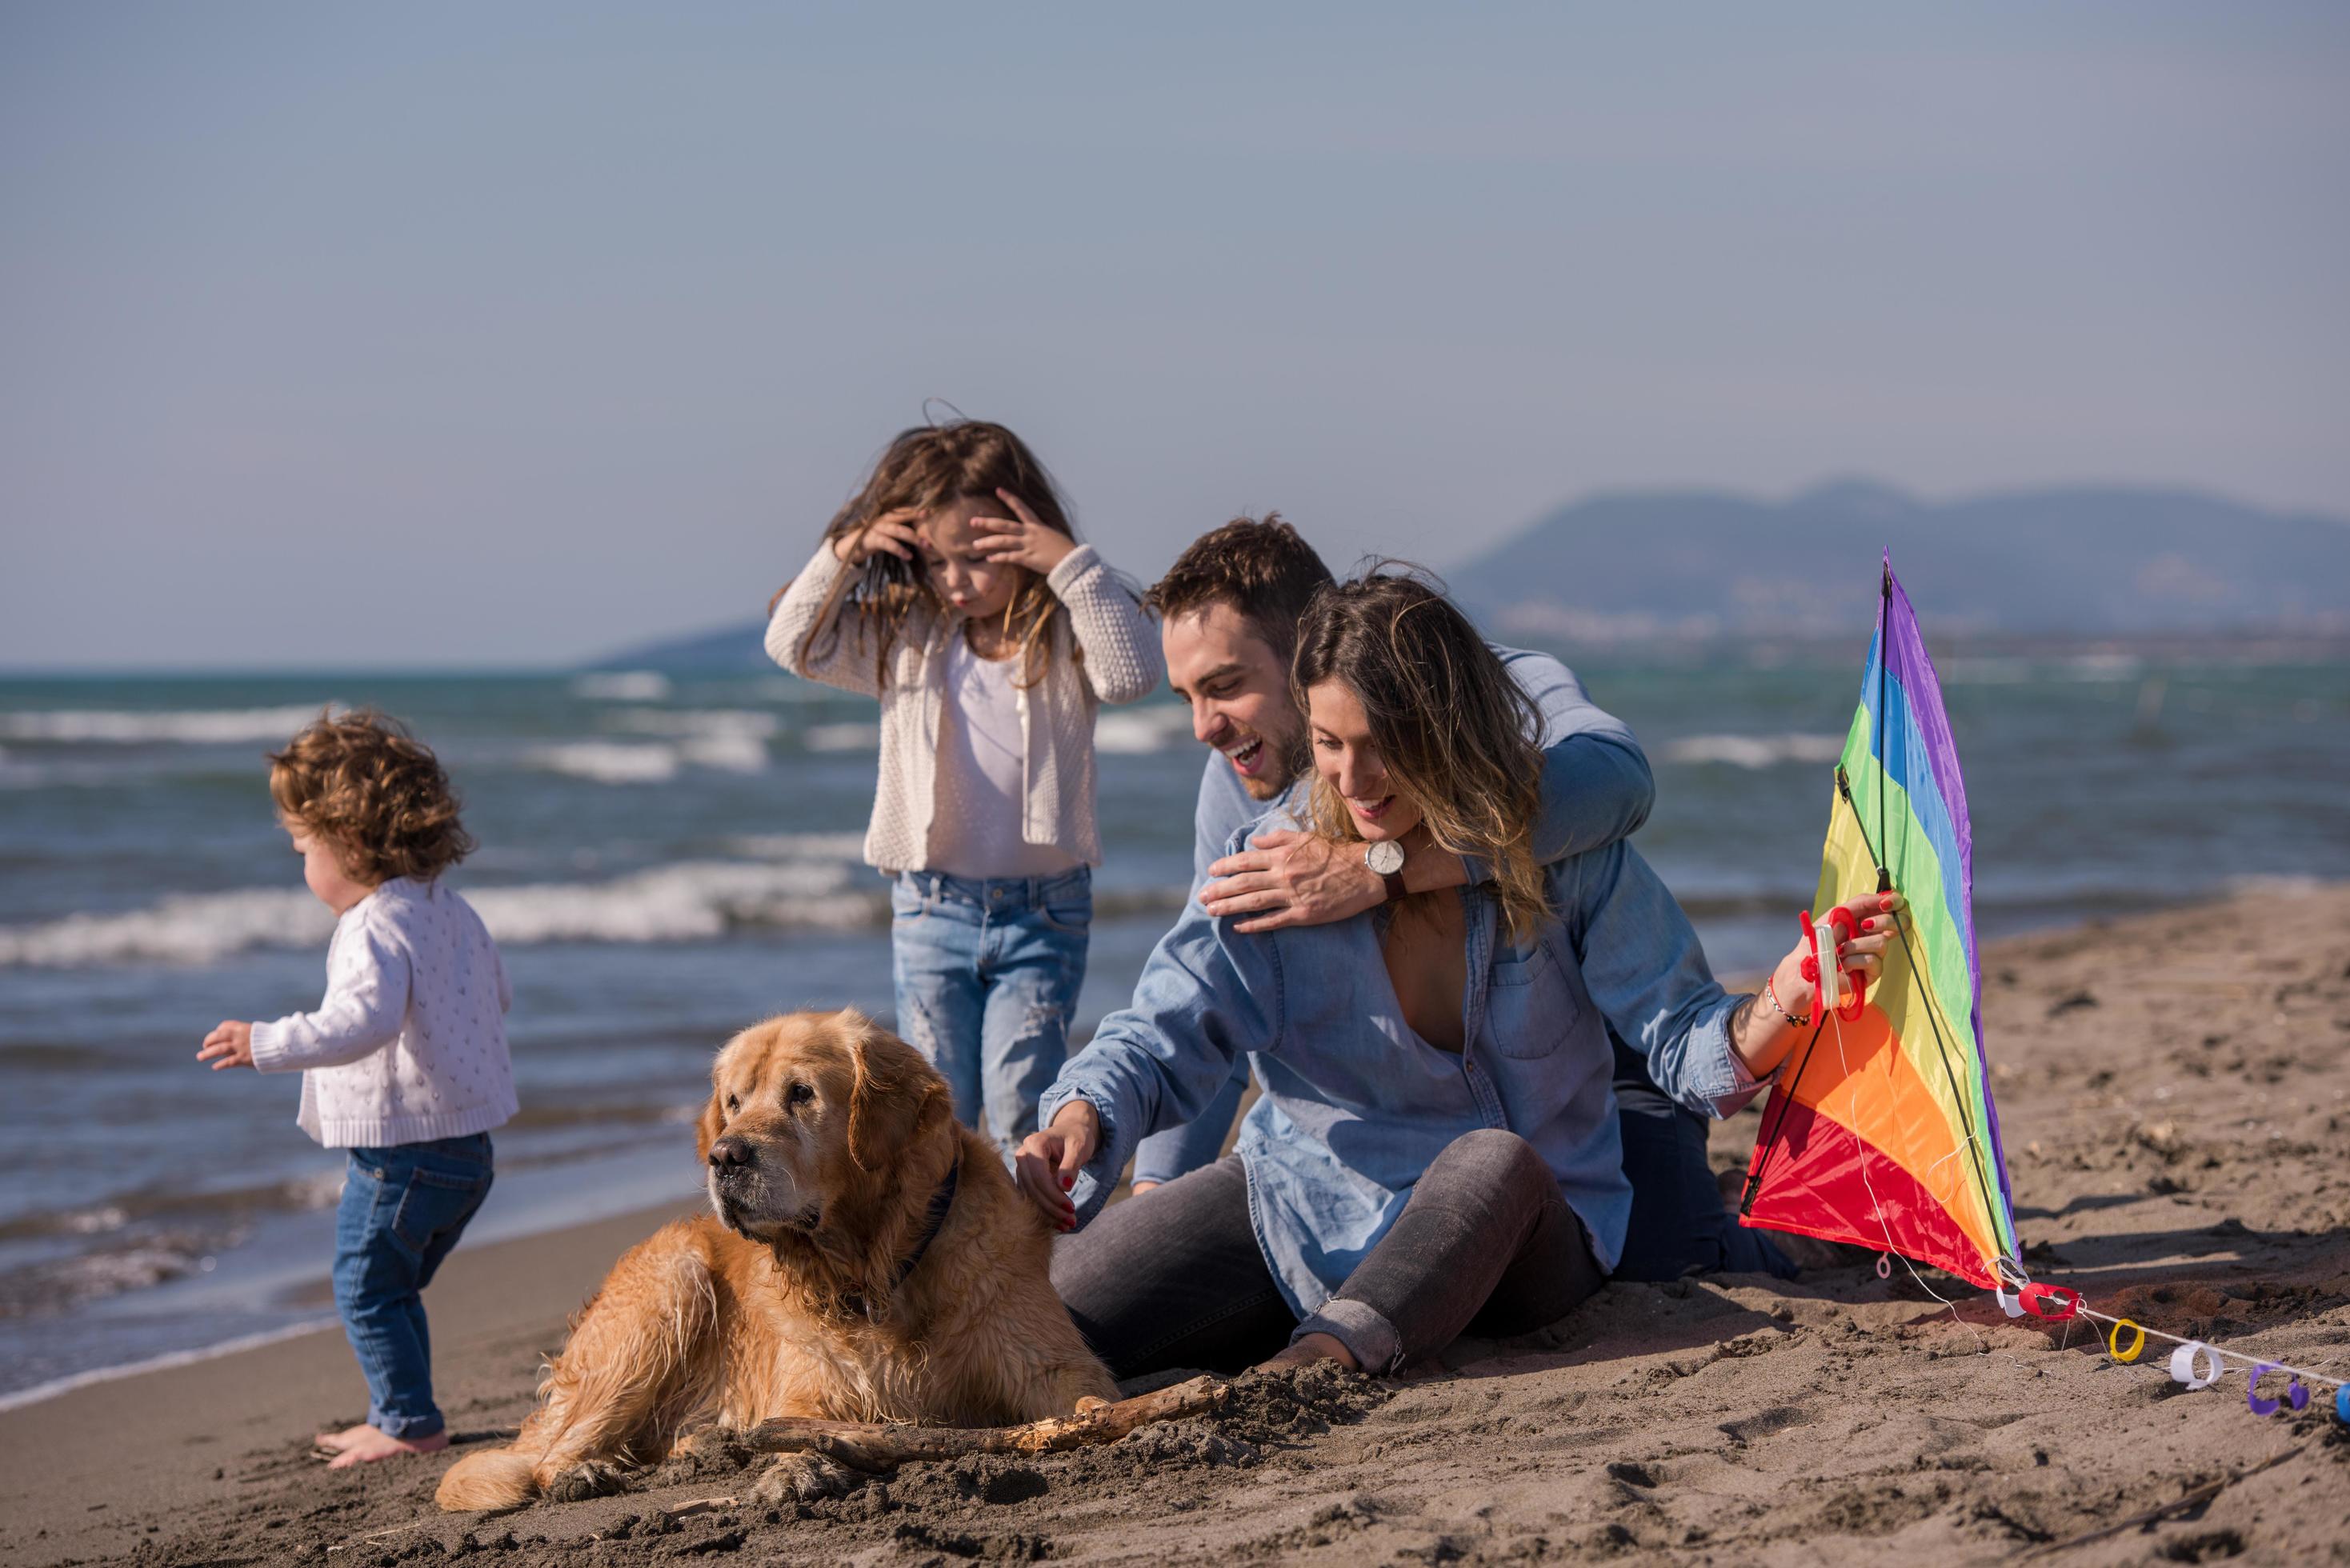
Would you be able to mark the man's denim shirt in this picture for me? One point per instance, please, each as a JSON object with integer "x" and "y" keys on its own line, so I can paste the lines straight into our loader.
{"x": 1356, "y": 1105}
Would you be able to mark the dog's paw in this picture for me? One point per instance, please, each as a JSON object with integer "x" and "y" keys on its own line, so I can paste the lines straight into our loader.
{"x": 592, "y": 1478}
{"x": 801, "y": 1478}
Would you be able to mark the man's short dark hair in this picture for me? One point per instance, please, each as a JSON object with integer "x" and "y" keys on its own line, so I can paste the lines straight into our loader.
{"x": 1261, "y": 569}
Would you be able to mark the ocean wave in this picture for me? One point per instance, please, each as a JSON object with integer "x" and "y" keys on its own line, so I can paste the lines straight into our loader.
{"x": 126, "y": 726}
{"x": 841, "y": 737}
{"x": 686, "y": 901}
{"x": 623, "y": 686}
{"x": 695, "y": 724}
{"x": 1755, "y": 752}
{"x": 650, "y": 762}
{"x": 1140, "y": 731}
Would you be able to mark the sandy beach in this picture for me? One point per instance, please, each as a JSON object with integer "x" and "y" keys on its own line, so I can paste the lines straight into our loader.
{"x": 2175, "y": 1091}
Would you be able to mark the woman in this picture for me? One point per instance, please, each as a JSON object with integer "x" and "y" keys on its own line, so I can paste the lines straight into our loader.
{"x": 1435, "y": 1146}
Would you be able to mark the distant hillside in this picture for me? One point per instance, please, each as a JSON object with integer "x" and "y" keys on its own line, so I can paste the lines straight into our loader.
{"x": 1694, "y": 566}
{"x": 2086, "y": 562}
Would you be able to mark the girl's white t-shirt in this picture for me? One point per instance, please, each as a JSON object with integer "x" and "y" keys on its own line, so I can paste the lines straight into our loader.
{"x": 983, "y": 774}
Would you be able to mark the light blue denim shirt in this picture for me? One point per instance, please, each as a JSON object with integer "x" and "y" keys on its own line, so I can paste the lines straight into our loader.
{"x": 1595, "y": 788}
{"x": 1356, "y": 1105}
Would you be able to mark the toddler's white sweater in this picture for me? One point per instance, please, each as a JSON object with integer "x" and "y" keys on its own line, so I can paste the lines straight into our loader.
{"x": 409, "y": 1044}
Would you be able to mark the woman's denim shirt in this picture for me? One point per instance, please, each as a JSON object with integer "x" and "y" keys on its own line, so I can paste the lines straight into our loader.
{"x": 1356, "y": 1106}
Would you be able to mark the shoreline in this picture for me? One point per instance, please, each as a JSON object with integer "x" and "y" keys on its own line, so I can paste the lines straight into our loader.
{"x": 2174, "y": 1090}
{"x": 577, "y": 1193}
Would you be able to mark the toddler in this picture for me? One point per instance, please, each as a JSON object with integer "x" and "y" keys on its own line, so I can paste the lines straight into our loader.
{"x": 953, "y": 588}
{"x": 404, "y": 1063}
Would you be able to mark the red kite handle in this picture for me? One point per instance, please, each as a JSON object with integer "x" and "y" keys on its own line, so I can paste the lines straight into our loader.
{"x": 1844, "y": 927}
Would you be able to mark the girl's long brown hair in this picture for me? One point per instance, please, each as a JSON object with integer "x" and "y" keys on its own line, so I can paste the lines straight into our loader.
{"x": 1458, "y": 736}
{"x": 926, "y": 468}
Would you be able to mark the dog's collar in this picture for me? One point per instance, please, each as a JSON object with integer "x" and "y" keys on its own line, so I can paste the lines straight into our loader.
{"x": 852, "y": 1304}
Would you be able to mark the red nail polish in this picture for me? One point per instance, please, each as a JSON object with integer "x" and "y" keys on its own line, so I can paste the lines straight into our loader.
{"x": 1068, "y": 1182}
{"x": 1868, "y": 925}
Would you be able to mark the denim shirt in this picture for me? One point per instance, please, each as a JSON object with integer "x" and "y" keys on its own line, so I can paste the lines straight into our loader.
{"x": 1356, "y": 1105}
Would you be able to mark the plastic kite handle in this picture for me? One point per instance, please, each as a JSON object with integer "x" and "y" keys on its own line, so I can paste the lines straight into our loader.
{"x": 1843, "y": 929}
{"x": 2054, "y": 1302}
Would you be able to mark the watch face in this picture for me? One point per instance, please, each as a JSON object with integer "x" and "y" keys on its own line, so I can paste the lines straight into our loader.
{"x": 1386, "y": 857}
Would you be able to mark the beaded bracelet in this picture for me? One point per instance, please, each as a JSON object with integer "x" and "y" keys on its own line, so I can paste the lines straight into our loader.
{"x": 1772, "y": 993}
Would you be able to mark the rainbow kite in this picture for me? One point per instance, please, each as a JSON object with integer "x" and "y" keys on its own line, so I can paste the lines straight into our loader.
{"x": 1881, "y": 1132}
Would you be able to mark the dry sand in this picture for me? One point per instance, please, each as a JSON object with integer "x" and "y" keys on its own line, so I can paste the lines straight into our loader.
{"x": 2175, "y": 1091}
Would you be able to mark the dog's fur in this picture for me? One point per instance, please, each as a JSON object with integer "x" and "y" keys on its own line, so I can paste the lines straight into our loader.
{"x": 833, "y": 1136}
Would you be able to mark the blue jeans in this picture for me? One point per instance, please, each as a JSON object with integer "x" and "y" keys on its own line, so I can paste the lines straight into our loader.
{"x": 987, "y": 976}
{"x": 403, "y": 1209}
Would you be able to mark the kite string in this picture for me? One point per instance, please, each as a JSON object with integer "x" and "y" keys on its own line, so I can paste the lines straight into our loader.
{"x": 2303, "y": 1373}
{"x": 1875, "y": 1208}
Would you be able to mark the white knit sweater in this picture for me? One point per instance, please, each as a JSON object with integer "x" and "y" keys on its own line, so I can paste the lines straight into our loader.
{"x": 1122, "y": 664}
{"x": 409, "y": 1044}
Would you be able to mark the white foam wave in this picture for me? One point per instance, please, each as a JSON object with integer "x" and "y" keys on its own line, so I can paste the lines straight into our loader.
{"x": 841, "y": 737}
{"x": 846, "y": 846}
{"x": 651, "y": 761}
{"x": 189, "y": 928}
{"x": 817, "y": 885}
{"x": 695, "y": 724}
{"x": 1755, "y": 752}
{"x": 113, "y": 726}
{"x": 1138, "y": 733}
{"x": 623, "y": 686}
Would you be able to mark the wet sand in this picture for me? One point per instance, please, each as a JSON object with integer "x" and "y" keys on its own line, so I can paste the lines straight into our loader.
{"x": 2175, "y": 1095}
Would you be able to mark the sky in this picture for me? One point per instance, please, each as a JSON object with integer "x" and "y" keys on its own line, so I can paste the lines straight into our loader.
{"x": 452, "y": 334}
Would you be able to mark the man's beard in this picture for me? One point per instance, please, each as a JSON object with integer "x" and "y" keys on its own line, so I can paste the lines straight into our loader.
{"x": 1286, "y": 762}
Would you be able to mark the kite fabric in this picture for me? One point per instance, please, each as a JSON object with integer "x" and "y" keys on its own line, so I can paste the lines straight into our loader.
{"x": 1880, "y": 1130}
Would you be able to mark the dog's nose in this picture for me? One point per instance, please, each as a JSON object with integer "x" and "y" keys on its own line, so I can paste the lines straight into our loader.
{"x": 728, "y": 1153}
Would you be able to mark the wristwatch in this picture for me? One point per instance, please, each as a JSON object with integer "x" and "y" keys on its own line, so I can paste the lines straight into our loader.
{"x": 1385, "y": 857}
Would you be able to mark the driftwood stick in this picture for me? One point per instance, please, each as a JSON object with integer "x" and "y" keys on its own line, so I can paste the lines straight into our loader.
{"x": 881, "y": 1446}
{"x": 2184, "y": 1503}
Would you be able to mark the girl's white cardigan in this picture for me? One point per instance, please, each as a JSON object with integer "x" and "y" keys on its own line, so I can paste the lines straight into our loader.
{"x": 1122, "y": 664}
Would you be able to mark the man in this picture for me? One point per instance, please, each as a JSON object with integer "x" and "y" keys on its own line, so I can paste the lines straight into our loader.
{"x": 1228, "y": 612}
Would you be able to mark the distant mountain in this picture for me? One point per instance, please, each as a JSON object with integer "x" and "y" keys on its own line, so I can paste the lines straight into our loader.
{"x": 2081, "y": 562}
{"x": 1694, "y": 566}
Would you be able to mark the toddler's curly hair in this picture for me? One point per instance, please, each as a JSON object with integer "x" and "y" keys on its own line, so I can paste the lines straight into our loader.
{"x": 366, "y": 785}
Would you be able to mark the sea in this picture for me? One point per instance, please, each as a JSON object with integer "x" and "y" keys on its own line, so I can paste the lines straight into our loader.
{"x": 666, "y": 858}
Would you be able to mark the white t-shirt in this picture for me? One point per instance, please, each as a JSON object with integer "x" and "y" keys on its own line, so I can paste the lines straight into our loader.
{"x": 983, "y": 774}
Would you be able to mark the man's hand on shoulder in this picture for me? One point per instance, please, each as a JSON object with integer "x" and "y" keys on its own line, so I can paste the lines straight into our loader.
{"x": 1286, "y": 877}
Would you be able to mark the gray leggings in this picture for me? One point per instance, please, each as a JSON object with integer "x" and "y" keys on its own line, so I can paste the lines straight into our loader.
{"x": 1485, "y": 1243}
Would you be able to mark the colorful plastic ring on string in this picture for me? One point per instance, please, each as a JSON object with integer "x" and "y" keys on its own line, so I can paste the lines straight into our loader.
{"x": 2253, "y": 1400}
{"x": 2113, "y": 1342}
{"x": 2341, "y": 1404}
{"x": 2296, "y": 1393}
{"x": 2182, "y": 1364}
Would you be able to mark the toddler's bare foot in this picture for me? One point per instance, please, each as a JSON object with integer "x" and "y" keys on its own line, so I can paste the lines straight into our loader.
{"x": 1308, "y": 1348}
{"x": 375, "y": 1445}
{"x": 335, "y": 1442}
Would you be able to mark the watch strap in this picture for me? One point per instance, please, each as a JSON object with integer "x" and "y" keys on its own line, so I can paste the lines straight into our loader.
{"x": 1397, "y": 891}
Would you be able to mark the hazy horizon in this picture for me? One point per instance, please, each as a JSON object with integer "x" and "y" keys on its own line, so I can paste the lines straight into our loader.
{"x": 449, "y": 337}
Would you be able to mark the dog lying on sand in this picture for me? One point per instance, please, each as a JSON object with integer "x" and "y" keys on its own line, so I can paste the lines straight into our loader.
{"x": 869, "y": 1260}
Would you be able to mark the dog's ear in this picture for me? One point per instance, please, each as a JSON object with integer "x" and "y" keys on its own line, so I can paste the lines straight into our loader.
{"x": 897, "y": 1097}
{"x": 713, "y": 1116}
{"x": 706, "y": 1130}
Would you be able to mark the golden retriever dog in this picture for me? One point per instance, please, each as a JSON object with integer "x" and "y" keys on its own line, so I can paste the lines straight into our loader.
{"x": 868, "y": 1260}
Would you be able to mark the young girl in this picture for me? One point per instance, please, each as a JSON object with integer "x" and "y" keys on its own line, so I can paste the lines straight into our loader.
{"x": 404, "y": 1063}
{"x": 953, "y": 588}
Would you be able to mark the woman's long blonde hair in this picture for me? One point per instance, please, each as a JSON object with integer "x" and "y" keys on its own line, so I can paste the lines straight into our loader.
{"x": 1457, "y": 735}
{"x": 926, "y": 468}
